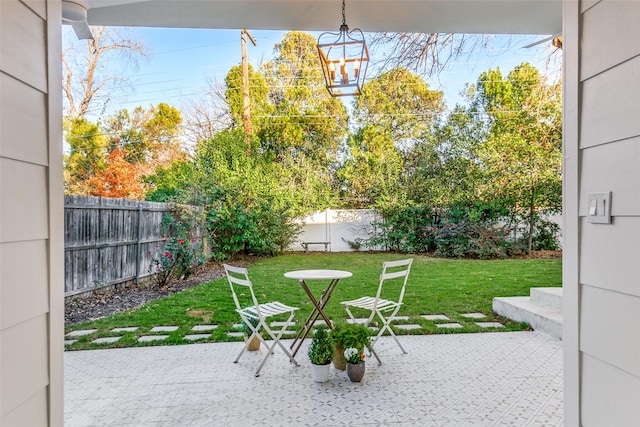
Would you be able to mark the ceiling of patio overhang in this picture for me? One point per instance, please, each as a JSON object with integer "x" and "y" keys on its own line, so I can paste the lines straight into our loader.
{"x": 439, "y": 16}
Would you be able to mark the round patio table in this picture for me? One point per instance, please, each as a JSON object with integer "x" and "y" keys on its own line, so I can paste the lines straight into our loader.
{"x": 302, "y": 276}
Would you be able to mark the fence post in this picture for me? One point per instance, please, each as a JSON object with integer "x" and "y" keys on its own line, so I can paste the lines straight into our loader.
{"x": 138, "y": 243}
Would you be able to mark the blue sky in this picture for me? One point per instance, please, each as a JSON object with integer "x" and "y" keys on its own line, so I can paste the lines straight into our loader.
{"x": 181, "y": 61}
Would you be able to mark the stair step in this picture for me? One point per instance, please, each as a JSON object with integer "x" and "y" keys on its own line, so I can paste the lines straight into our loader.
{"x": 523, "y": 309}
{"x": 547, "y": 297}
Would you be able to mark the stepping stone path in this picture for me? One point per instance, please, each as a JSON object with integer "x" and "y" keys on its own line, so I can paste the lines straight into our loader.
{"x": 129, "y": 329}
{"x": 164, "y": 329}
{"x": 473, "y": 315}
{"x": 81, "y": 333}
{"x": 106, "y": 340}
{"x": 203, "y": 332}
{"x": 200, "y": 334}
{"x": 149, "y": 338}
{"x": 204, "y": 328}
{"x": 196, "y": 337}
{"x": 490, "y": 324}
{"x": 435, "y": 317}
{"x": 449, "y": 325}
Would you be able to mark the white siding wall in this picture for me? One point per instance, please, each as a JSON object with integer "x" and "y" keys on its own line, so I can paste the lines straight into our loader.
{"x": 31, "y": 314}
{"x": 608, "y": 296}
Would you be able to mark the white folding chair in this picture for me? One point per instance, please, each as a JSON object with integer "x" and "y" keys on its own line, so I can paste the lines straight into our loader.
{"x": 395, "y": 274}
{"x": 238, "y": 276}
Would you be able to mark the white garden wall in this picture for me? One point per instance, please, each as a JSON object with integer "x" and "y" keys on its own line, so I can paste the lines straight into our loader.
{"x": 336, "y": 228}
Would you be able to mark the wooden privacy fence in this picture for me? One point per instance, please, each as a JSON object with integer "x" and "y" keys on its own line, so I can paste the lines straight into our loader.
{"x": 110, "y": 241}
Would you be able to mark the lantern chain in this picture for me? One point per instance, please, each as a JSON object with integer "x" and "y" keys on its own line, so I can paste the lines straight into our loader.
{"x": 344, "y": 19}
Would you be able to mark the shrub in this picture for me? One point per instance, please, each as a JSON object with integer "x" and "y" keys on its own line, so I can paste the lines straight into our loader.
{"x": 260, "y": 228}
{"x": 182, "y": 250}
{"x": 471, "y": 240}
{"x": 410, "y": 229}
{"x": 460, "y": 231}
{"x": 321, "y": 348}
{"x": 545, "y": 235}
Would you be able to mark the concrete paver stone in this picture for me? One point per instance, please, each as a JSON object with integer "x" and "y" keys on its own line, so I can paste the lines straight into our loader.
{"x": 149, "y": 338}
{"x": 435, "y": 317}
{"x": 106, "y": 340}
{"x": 473, "y": 315}
{"x": 489, "y": 324}
{"x": 164, "y": 329}
{"x": 449, "y": 325}
{"x": 127, "y": 329}
{"x": 81, "y": 333}
{"x": 202, "y": 328}
{"x": 196, "y": 337}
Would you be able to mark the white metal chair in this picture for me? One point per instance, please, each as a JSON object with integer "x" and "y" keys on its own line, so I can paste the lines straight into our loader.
{"x": 239, "y": 276}
{"x": 395, "y": 274}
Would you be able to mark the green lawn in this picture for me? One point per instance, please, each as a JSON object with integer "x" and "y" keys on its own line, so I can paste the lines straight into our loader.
{"x": 435, "y": 286}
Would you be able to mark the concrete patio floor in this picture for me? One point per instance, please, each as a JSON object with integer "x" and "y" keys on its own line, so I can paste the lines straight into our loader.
{"x": 487, "y": 379}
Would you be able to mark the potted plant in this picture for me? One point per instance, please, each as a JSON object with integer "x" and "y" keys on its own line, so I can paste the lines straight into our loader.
{"x": 355, "y": 364}
{"x": 345, "y": 335}
{"x": 254, "y": 345}
{"x": 320, "y": 354}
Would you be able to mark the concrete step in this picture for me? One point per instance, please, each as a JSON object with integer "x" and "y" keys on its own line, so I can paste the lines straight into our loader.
{"x": 541, "y": 317}
{"x": 547, "y": 297}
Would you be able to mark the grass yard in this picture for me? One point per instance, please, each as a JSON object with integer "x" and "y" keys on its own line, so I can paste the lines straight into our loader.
{"x": 435, "y": 286}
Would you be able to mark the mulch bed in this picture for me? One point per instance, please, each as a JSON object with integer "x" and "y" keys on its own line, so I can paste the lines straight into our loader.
{"x": 103, "y": 303}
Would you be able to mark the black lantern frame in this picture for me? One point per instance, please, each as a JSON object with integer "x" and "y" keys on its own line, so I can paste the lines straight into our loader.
{"x": 344, "y": 58}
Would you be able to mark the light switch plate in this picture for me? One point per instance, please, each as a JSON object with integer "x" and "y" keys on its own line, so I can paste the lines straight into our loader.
{"x": 599, "y": 208}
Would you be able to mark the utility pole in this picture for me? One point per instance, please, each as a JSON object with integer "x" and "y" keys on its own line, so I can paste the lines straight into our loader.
{"x": 246, "y": 107}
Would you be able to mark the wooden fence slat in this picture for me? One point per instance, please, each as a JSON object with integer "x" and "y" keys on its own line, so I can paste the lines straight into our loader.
{"x": 107, "y": 241}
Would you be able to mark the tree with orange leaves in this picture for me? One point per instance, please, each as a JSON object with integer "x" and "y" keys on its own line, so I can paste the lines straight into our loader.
{"x": 120, "y": 179}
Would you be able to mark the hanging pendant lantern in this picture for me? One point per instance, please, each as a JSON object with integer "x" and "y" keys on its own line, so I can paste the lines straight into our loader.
{"x": 344, "y": 58}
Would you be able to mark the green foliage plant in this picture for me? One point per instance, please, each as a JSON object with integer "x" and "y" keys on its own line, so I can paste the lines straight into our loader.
{"x": 321, "y": 348}
{"x": 182, "y": 251}
{"x": 406, "y": 229}
{"x": 351, "y": 335}
{"x": 246, "y": 329}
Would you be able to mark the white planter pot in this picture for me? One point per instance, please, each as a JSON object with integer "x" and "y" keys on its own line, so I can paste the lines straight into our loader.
{"x": 320, "y": 373}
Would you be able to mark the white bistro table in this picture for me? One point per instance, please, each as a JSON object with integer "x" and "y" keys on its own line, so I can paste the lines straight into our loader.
{"x": 302, "y": 276}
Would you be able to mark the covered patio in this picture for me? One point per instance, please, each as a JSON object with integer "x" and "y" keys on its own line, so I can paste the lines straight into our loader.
{"x": 487, "y": 379}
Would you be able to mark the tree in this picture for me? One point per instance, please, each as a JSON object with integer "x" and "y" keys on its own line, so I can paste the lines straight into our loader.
{"x": 87, "y": 154}
{"x": 307, "y": 124}
{"x": 148, "y": 137}
{"x": 144, "y": 140}
{"x": 428, "y": 53}
{"x": 395, "y": 112}
{"x": 87, "y": 78}
{"x": 372, "y": 171}
{"x": 443, "y": 169}
{"x": 522, "y": 156}
{"x": 258, "y": 94}
{"x": 118, "y": 179}
{"x": 207, "y": 114}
